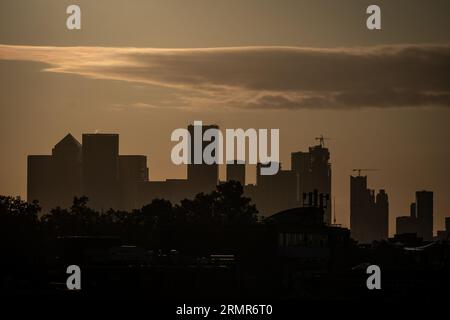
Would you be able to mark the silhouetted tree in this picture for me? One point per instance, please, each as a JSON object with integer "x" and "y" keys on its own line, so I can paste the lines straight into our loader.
{"x": 79, "y": 219}
{"x": 226, "y": 205}
{"x": 158, "y": 212}
{"x": 155, "y": 224}
{"x": 231, "y": 204}
{"x": 20, "y": 236}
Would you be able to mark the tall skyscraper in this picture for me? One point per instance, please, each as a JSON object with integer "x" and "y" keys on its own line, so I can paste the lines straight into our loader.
{"x": 381, "y": 216}
{"x": 360, "y": 197}
{"x": 369, "y": 214}
{"x": 424, "y": 208}
{"x": 202, "y": 177}
{"x": 100, "y": 154}
{"x": 301, "y": 165}
{"x": 313, "y": 171}
{"x": 320, "y": 175}
{"x": 54, "y": 180}
{"x": 67, "y": 170}
{"x": 40, "y": 184}
{"x": 133, "y": 170}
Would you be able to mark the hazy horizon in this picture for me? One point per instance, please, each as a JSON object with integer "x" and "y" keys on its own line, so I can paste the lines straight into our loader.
{"x": 154, "y": 66}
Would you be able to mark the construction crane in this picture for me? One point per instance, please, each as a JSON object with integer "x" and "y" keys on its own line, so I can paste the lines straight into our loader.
{"x": 359, "y": 170}
{"x": 322, "y": 139}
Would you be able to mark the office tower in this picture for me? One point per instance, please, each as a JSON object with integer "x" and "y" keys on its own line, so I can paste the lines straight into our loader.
{"x": 359, "y": 208}
{"x": 202, "y": 177}
{"x": 300, "y": 164}
{"x": 369, "y": 214}
{"x": 40, "y": 184}
{"x": 54, "y": 180}
{"x": 133, "y": 170}
{"x": 100, "y": 154}
{"x": 313, "y": 171}
{"x": 66, "y": 158}
{"x": 381, "y": 215}
{"x": 236, "y": 171}
{"x": 320, "y": 175}
{"x": 424, "y": 209}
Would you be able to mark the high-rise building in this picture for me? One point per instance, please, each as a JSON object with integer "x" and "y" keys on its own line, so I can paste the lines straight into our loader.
{"x": 203, "y": 177}
{"x": 66, "y": 158}
{"x": 301, "y": 165}
{"x": 320, "y": 175}
{"x": 369, "y": 214}
{"x": 313, "y": 170}
{"x": 100, "y": 154}
{"x": 40, "y": 184}
{"x": 360, "y": 198}
{"x": 54, "y": 180}
{"x": 424, "y": 209}
{"x": 381, "y": 223}
{"x": 133, "y": 171}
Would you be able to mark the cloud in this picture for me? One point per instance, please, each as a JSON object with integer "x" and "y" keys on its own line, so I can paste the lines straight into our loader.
{"x": 266, "y": 77}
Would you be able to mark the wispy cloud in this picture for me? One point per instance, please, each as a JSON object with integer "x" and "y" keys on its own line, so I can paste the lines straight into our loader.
{"x": 266, "y": 77}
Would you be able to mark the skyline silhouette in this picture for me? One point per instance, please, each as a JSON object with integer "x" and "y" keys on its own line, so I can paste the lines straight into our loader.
{"x": 121, "y": 182}
{"x": 358, "y": 118}
{"x": 274, "y": 67}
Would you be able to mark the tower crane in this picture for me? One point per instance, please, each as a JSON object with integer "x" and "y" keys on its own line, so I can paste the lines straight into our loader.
{"x": 322, "y": 139}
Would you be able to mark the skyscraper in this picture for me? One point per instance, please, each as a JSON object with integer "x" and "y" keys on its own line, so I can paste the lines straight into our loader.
{"x": 301, "y": 165}
{"x": 132, "y": 171}
{"x": 313, "y": 171}
{"x": 202, "y": 177}
{"x": 100, "y": 154}
{"x": 369, "y": 214}
{"x": 320, "y": 175}
{"x": 424, "y": 208}
{"x": 40, "y": 184}
{"x": 381, "y": 223}
{"x": 360, "y": 198}
{"x": 66, "y": 158}
{"x": 54, "y": 180}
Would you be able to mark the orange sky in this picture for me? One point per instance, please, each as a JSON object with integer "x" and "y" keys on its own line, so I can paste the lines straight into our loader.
{"x": 269, "y": 78}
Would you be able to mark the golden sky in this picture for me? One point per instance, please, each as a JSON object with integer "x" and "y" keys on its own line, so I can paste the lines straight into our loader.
{"x": 144, "y": 68}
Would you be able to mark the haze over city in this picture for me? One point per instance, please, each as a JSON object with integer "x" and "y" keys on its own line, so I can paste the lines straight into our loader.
{"x": 382, "y": 97}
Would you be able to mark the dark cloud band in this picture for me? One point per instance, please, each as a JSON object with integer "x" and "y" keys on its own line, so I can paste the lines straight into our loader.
{"x": 268, "y": 77}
